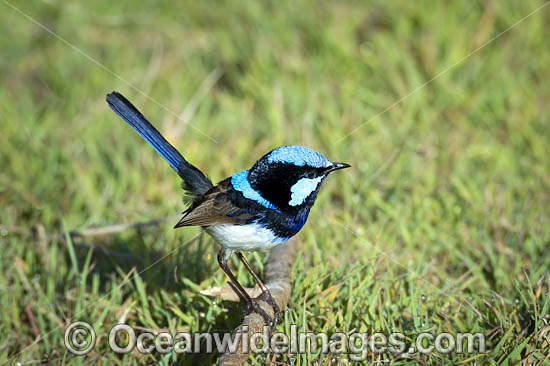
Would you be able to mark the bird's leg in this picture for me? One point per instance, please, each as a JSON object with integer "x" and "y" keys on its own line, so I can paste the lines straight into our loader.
{"x": 223, "y": 256}
{"x": 266, "y": 294}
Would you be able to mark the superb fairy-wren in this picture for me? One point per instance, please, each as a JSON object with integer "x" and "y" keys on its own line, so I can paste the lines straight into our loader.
{"x": 254, "y": 209}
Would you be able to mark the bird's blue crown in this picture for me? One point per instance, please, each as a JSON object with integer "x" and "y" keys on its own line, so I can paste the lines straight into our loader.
{"x": 299, "y": 156}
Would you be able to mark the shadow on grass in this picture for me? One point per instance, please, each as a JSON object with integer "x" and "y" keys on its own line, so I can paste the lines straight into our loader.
{"x": 159, "y": 270}
{"x": 113, "y": 256}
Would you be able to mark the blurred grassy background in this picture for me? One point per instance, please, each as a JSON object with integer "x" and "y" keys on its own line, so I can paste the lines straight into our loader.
{"x": 441, "y": 225}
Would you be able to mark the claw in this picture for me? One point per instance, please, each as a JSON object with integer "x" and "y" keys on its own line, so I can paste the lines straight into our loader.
{"x": 255, "y": 307}
{"x": 266, "y": 296}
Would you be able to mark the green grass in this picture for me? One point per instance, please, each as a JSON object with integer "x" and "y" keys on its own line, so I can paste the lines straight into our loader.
{"x": 442, "y": 225}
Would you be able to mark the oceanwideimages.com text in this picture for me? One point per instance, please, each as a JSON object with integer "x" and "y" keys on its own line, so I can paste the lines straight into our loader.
{"x": 80, "y": 339}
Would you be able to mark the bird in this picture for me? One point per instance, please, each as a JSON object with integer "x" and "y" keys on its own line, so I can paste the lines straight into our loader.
{"x": 252, "y": 210}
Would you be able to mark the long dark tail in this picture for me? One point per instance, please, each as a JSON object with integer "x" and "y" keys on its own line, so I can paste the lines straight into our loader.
{"x": 194, "y": 180}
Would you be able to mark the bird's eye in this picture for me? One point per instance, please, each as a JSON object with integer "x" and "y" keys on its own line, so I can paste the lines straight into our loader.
{"x": 310, "y": 174}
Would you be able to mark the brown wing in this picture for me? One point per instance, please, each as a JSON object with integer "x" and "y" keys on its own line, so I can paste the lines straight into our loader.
{"x": 214, "y": 209}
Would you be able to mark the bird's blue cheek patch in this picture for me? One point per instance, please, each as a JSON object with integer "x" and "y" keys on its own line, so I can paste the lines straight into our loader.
{"x": 302, "y": 189}
{"x": 240, "y": 183}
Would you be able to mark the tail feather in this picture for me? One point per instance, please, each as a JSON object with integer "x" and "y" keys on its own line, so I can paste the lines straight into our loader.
{"x": 194, "y": 180}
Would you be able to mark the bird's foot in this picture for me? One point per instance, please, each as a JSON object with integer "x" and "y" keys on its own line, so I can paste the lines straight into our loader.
{"x": 256, "y": 308}
{"x": 266, "y": 296}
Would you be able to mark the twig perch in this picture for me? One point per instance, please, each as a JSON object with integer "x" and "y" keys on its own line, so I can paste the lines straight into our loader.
{"x": 277, "y": 279}
{"x": 227, "y": 293}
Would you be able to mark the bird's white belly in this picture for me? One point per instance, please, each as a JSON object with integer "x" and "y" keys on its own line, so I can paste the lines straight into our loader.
{"x": 248, "y": 237}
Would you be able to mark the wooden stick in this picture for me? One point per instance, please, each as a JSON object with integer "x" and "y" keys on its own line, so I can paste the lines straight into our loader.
{"x": 116, "y": 228}
{"x": 277, "y": 279}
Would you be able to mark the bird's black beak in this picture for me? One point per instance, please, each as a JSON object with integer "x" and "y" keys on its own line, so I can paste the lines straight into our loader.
{"x": 337, "y": 166}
